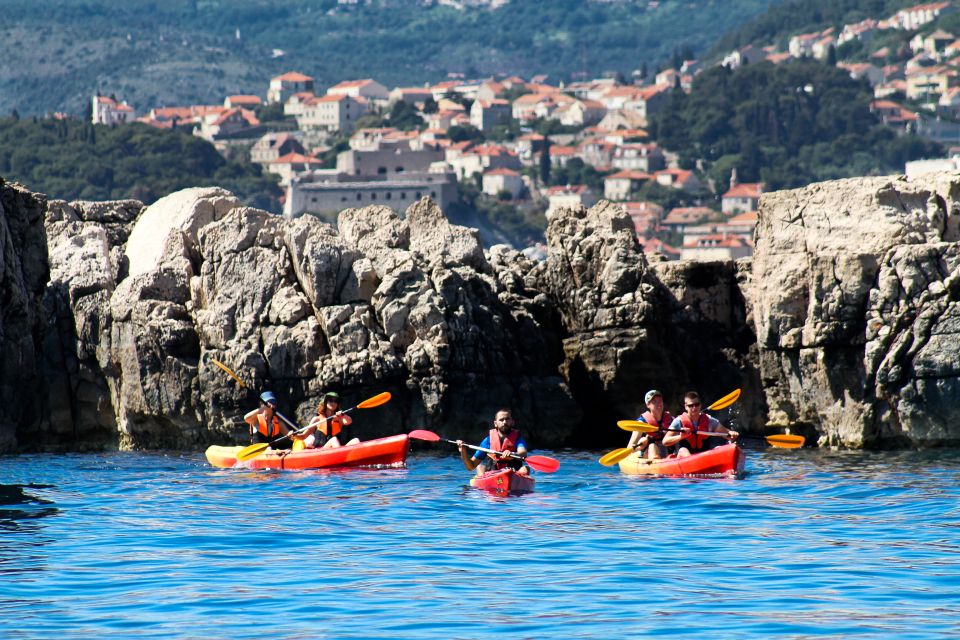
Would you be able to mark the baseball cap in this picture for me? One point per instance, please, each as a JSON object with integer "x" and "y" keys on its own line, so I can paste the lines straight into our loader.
{"x": 268, "y": 397}
{"x": 653, "y": 393}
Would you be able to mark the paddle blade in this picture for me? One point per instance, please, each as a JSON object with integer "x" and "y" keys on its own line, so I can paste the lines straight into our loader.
{"x": 251, "y": 452}
{"x": 615, "y": 456}
{"x": 543, "y": 463}
{"x": 423, "y": 434}
{"x": 636, "y": 425}
{"x": 228, "y": 371}
{"x": 725, "y": 401}
{"x": 786, "y": 441}
{"x": 375, "y": 401}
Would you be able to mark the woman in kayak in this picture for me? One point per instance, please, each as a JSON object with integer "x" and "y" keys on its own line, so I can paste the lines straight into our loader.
{"x": 650, "y": 445}
{"x": 328, "y": 429}
{"x": 687, "y": 429}
{"x": 265, "y": 426}
{"x": 504, "y": 438}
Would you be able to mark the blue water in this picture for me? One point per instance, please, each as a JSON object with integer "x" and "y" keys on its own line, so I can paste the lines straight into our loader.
{"x": 808, "y": 544}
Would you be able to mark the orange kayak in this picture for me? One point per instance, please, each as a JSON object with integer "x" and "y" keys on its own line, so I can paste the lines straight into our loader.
{"x": 382, "y": 451}
{"x": 504, "y": 482}
{"x": 725, "y": 460}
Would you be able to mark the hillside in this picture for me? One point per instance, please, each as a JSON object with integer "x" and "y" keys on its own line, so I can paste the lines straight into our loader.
{"x": 776, "y": 25}
{"x": 54, "y": 55}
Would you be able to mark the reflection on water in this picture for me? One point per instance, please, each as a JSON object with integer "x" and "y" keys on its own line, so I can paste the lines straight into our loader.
{"x": 17, "y": 505}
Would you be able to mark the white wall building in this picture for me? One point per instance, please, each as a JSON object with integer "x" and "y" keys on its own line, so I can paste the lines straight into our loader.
{"x": 109, "y": 111}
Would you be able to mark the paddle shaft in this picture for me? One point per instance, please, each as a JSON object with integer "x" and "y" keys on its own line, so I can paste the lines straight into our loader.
{"x": 509, "y": 454}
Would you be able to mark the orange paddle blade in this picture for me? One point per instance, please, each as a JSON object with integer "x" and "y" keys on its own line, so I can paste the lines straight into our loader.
{"x": 375, "y": 401}
{"x": 725, "y": 401}
{"x": 615, "y": 456}
{"x": 636, "y": 425}
{"x": 786, "y": 441}
{"x": 228, "y": 371}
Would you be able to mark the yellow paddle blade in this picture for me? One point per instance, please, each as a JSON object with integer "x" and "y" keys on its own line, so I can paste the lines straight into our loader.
{"x": 786, "y": 441}
{"x": 375, "y": 401}
{"x": 615, "y": 456}
{"x": 636, "y": 425}
{"x": 228, "y": 371}
{"x": 725, "y": 401}
{"x": 252, "y": 451}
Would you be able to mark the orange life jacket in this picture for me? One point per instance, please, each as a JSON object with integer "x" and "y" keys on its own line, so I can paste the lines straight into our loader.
{"x": 662, "y": 425}
{"x": 268, "y": 430}
{"x": 509, "y": 443}
{"x": 333, "y": 426}
{"x": 696, "y": 441}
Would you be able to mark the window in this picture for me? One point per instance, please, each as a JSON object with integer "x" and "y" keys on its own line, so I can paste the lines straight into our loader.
{"x": 388, "y": 195}
{"x": 373, "y": 195}
{"x": 343, "y": 198}
{"x": 381, "y": 171}
{"x": 403, "y": 195}
{"x": 418, "y": 195}
{"x": 399, "y": 169}
{"x": 358, "y": 196}
{"x": 433, "y": 194}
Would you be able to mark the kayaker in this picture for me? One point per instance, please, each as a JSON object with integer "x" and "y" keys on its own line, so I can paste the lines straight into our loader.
{"x": 265, "y": 426}
{"x": 504, "y": 438}
{"x": 332, "y": 432}
{"x": 650, "y": 445}
{"x": 685, "y": 430}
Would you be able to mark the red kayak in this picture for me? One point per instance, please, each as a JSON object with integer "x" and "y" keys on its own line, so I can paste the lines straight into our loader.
{"x": 725, "y": 460}
{"x": 382, "y": 451}
{"x": 504, "y": 482}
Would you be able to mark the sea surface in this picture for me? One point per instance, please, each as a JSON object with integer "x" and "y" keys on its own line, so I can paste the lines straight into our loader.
{"x": 160, "y": 545}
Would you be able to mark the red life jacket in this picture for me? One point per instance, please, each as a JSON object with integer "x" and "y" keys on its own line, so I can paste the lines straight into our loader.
{"x": 695, "y": 441}
{"x": 662, "y": 425}
{"x": 508, "y": 443}
{"x": 268, "y": 430}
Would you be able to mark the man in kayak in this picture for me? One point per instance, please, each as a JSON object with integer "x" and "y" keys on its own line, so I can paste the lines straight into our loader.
{"x": 328, "y": 429}
{"x": 650, "y": 445}
{"x": 265, "y": 426}
{"x": 688, "y": 428}
{"x": 504, "y": 438}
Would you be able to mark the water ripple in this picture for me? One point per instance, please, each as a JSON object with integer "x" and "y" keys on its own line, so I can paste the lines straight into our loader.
{"x": 808, "y": 544}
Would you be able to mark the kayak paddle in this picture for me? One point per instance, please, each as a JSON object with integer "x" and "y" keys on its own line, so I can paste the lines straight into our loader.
{"x": 255, "y": 450}
{"x": 615, "y": 456}
{"x": 243, "y": 385}
{"x": 539, "y": 463}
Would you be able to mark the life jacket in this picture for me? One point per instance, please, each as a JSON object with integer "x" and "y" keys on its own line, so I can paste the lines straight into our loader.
{"x": 508, "y": 443}
{"x": 333, "y": 426}
{"x": 662, "y": 425}
{"x": 696, "y": 441}
{"x": 268, "y": 430}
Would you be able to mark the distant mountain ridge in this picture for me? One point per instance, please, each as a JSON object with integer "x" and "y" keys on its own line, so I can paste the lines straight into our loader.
{"x": 54, "y": 55}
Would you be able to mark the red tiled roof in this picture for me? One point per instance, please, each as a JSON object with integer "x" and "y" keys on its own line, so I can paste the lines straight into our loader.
{"x": 293, "y": 76}
{"x": 745, "y": 190}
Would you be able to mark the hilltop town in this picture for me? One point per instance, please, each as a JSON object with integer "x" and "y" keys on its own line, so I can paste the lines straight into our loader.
{"x": 514, "y": 140}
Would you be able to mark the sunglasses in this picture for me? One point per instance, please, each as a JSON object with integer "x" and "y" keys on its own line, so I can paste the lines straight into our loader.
{"x": 695, "y": 404}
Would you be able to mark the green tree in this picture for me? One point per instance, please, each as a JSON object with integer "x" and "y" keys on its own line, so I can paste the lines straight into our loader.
{"x": 545, "y": 162}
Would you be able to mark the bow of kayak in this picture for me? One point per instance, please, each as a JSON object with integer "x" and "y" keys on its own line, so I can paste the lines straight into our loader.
{"x": 504, "y": 482}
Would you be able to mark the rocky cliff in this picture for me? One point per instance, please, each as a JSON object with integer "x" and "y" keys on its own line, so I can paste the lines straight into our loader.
{"x": 842, "y": 326}
{"x": 856, "y": 307}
